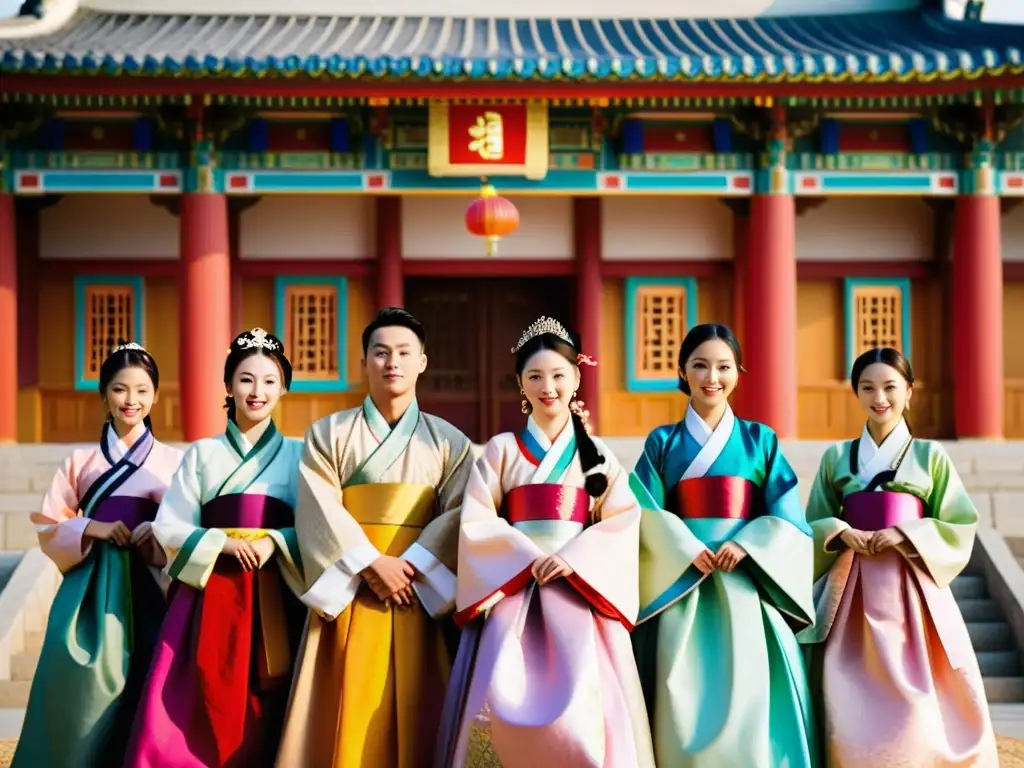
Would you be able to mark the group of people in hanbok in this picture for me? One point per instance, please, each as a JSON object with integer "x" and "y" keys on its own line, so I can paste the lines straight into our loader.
{"x": 376, "y": 596}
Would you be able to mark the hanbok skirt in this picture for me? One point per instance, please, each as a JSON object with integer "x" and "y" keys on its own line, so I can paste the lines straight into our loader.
{"x": 103, "y": 626}
{"x": 900, "y": 683}
{"x": 218, "y": 686}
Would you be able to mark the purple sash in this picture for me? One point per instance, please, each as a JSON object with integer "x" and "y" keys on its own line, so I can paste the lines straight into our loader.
{"x": 130, "y": 510}
{"x": 247, "y": 510}
{"x": 875, "y": 510}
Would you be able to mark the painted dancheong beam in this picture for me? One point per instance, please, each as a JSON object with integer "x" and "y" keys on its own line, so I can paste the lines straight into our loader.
{"x": 721, "y": 184}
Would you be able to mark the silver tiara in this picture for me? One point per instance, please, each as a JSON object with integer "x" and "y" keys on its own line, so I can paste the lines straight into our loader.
{"x": 541, "y": 326}
{"x": 257, "y": 338}
{"x": 128, "y": 345}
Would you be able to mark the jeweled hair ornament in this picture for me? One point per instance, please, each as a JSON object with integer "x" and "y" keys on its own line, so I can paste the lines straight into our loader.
{"x": 128, "y": 345}
{"x": 541, "y": 326}
{"x": 257, "y": 338}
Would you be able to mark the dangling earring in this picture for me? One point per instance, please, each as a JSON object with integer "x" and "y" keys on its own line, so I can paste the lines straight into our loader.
{"x": 525, "y": 407}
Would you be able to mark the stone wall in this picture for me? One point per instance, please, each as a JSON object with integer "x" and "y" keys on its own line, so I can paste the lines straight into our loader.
{"x": 993, "y": 473}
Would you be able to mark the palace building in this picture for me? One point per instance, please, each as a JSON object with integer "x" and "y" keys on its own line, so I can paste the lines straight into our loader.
{"x": 174, "y": 171}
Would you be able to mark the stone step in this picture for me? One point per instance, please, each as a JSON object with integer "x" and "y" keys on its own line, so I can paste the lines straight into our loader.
{"x": 23, "y": 665}
{"x": 991, "y": 636}
{"x": 14, "y": 693}
{"x": 999, "y": 663}
{"x": 980, "y": 609}
{"x": 969, "y": 587}
{"x": 1004, "y": 690}
{"x": 34, "y": 642}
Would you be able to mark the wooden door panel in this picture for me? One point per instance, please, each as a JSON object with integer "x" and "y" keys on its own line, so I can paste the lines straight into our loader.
{"x": 451, "y": 314}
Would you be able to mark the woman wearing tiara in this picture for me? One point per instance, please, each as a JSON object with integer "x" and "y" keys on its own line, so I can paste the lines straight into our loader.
{"x": 893, "y": 526}
{"x": 95, "y": 524}
{"x": 726, "y": 559}
{"x": 218, "y": 685}
{"x": 548, "y": 566}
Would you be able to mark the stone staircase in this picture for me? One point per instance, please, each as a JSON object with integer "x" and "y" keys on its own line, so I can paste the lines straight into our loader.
{"x": 992, "y": 638}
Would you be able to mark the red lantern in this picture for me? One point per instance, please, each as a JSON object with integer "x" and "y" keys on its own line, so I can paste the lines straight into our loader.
{"x": 491, "y": 216}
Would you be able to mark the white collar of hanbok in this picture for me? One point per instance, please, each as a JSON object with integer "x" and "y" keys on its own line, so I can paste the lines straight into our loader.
{"x": 711, "y": 441}
{"x": 118, "y": 447}
{"x": 553, "y": 450}
{"x": 872, "y": 459}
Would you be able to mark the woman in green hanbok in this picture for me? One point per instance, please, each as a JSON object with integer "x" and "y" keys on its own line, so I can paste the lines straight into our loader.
{"x": 94, "y": 523}
{"x": 725, "y": 580}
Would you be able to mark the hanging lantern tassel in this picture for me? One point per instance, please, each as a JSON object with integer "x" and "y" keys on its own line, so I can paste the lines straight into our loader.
{"x": 492, "y": 217}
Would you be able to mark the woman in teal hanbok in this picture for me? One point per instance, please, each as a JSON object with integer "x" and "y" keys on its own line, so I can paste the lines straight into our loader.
{"x": 95, "y": 524}
{"x": 725, "y": 580}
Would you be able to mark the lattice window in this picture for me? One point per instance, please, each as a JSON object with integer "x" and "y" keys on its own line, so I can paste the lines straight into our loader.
{"x": 877, "y": 315}
{"x": 311, "y": 321}
{"x": 658, "y": 314}
{"x": 106, "y": 310}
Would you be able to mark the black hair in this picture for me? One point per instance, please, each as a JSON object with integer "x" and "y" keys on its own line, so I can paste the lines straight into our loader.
{"x": 596, "y": 483}
{"x": 249, "y": 343}
{"x": 124, "y": 356}
{"x": 390, "y": 317}
{"x": 887, "y": 356}
{"x": 697, "y": 336}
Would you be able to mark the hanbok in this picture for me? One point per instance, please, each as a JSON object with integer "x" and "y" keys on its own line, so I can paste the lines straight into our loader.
{"x": 548, "y": 677}
{"x": 371, "y": 677}
{"x": 723, "y": 673}
{"x": 218, "y": 685}
{"x": 899, "y": 680}
{"x": 106, "y": 614}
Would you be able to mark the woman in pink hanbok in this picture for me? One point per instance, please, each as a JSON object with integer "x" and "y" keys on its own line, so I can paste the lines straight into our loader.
{"x": 547, "y": 582}
{"x": 898, "y": 680}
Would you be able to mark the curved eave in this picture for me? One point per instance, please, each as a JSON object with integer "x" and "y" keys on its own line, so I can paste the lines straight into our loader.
{"x": 903, "y": 47}
{"x": 616, "y": 71}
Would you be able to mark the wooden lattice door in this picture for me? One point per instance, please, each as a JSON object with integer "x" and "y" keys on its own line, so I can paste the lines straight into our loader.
{"x": 452, "y": 315}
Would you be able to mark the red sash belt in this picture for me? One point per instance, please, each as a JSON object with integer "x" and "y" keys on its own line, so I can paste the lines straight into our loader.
{"x": 546, "y": 501}
{"x": 715, "y": 497}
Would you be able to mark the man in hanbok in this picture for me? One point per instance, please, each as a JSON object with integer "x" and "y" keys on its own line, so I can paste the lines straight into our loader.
{"x": 377, "y": 521}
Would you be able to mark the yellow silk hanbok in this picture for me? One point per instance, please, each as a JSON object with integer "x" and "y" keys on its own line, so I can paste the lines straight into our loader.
{"x": 371, "y": 679}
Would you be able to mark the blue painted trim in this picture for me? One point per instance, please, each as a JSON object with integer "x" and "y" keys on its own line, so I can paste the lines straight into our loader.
{"x": 633, "y": 284}
{"x": 340, "y": 284}
{"x": 82, "y": 282}
{"x": 851, "y": 283}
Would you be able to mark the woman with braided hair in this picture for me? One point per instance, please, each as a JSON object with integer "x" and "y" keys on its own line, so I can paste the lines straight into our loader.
{"x": 547, "y": 584}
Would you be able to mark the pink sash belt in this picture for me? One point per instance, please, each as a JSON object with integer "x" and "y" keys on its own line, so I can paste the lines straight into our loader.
{"x": 875, "y": 510}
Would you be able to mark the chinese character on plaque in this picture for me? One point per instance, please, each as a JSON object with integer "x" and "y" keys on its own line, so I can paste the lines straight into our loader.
{"x": 488, "y": 140}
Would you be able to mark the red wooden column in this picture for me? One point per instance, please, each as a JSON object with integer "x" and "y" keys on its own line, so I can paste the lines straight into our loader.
{"x": 769, "y": 346}
{"x": 587, "y": 242}
{"x": 977, "y": 300}
{"x": 740, "y": 242}
{"x": 205, "y": 312}
{"x": 389, "y": 252}
{"x": 8, "y": 321}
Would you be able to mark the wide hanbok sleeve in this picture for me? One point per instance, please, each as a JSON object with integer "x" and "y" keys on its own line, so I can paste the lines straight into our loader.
{"x": 435, "y": 553}
{"x": 59, "y": 524}
{"x": 823, "y": 508}
{"x": 779, "y": 543}
{"x": 605, "y": 556}
{"x": 667, "y": 546}
{"x": 192, "y": 550}
{"x": 494, "y": 557}
{"x": 333, "y": 547}
{"x": 944, "y": 540}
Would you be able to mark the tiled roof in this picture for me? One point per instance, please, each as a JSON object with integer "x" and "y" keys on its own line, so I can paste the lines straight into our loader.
{"x": 916, "y": 45}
